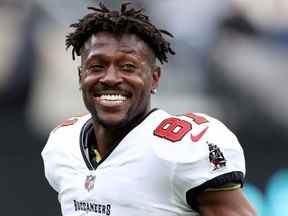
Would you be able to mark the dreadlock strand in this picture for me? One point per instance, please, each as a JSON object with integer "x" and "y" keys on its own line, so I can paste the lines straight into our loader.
{"x": 166, "y": 32}
{"x": 127, "y": 20}
{"x": 124, "y": 6}
{"x": 104, "y": 8}
{"x": 96, "y": 9}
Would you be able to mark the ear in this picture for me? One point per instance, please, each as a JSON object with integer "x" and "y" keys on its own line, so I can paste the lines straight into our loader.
{"x": 156, "y": 74}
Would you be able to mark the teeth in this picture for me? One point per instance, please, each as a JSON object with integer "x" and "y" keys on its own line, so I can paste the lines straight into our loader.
{"x": 113, "y": 97}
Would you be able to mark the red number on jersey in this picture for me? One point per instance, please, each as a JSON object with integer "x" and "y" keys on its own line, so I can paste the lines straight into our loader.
{"x": 173, "y": 129}
{"x": 67, "y": 123}
{"x": 196, "y": 118}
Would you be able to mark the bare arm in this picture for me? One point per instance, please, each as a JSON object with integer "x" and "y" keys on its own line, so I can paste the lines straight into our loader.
{"x": 224, "y": 203}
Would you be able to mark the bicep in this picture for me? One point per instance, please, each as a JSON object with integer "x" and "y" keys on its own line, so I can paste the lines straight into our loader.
{"x": 224, "y": 203}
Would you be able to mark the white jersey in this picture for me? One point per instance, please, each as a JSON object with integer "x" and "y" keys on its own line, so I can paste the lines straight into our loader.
{"x": 151, "y": 171}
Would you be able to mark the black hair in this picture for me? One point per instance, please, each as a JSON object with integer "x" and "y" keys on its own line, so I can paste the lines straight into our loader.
{"x": 127, "y": 20}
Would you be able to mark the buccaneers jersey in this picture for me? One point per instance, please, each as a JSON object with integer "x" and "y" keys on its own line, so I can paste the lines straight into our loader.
{"x": 154, "y": 170}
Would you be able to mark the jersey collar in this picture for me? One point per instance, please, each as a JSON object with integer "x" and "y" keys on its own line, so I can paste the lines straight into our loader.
{"x": 88, "y": 144}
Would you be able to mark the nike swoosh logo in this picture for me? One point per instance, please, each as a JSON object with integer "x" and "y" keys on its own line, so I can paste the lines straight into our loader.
{"x": 197, "y": 137}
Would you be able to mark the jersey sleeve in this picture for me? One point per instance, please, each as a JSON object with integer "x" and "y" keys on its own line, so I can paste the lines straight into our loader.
{"x": 61, "y": 154}
{"x": 49, "y": 162}
{"x": 214, "y": 163}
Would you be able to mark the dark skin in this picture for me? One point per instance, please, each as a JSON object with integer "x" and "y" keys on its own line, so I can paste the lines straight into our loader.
{"x": 120, "y": 66}
{"x": 225, "y": 203}
{"x": 117, "y": 77}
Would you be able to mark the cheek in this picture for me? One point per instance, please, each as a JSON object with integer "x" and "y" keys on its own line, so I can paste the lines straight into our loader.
{"x": 141, "y": 85}
{"x": 88, "y": 81}
{"x": 147, "y": 82}
{"x": 145, "y": 78}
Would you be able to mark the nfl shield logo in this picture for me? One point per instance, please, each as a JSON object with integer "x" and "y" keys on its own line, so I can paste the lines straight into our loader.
{"x": 89, "y": 182}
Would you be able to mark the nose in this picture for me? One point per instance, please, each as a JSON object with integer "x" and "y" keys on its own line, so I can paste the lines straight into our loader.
{"x": 111, "y": 77}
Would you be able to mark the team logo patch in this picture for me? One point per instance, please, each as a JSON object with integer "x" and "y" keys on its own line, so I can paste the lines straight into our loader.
{"x": 216, "y": 157}
{"x": 89, "y": 182}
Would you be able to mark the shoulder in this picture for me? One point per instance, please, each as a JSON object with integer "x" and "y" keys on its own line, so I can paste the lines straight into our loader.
{"x": 215, "y": 128}
{"x": 187, "y": 137}
{"x": 203, "y": 151}
{"x": 65, "y": 134}
{"x": 70, "y": 124}
{"x": 62, "y": 149}
{"x": 181, "y": 124}
{"x": 200, "y": 151}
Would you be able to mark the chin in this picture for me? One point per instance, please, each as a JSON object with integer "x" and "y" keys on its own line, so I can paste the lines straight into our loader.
{"x": 117, "y": 119}
{"x": 111, "y": 122}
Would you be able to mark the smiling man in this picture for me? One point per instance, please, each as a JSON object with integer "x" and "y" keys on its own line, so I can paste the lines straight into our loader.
{"x": 117, "y": 77}
{"x": 125, "y": 158}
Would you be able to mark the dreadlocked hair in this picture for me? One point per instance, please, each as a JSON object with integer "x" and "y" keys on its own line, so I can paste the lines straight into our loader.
{"x": 127, "y": 20}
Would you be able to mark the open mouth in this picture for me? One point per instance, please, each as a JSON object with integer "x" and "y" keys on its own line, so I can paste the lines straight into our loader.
{"x": 112, "y": 98}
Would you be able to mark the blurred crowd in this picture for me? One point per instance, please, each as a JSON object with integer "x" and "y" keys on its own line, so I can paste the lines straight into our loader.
{"x": 230, "y": 63}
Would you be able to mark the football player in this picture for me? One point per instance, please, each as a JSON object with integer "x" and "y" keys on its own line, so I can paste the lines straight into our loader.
{"x": 125, "y": 158}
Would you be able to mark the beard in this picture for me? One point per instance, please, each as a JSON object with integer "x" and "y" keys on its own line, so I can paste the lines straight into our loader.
{"x": 106, "y": 124}
{"x": 127, "y": 123}
{"x": 132, "y": 117}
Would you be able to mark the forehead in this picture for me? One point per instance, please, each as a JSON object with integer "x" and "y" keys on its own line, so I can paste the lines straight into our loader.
{"x": 106, "y": 41}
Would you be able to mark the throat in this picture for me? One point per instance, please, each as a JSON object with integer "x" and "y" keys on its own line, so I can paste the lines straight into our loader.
{"x": 107, "y": 140}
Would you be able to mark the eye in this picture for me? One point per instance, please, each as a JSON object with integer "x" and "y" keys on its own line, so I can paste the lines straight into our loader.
{"x": 128, "y": 67}
{"x": 96, "y": 68}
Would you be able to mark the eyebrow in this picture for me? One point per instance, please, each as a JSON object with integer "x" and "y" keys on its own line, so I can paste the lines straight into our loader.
{"x": 95, "y": 56}
{"x": 127, "y": 50}
{"x": 102, "y": 56}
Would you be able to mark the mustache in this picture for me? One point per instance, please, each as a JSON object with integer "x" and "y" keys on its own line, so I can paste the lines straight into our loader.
{"x": 102, "y": 88}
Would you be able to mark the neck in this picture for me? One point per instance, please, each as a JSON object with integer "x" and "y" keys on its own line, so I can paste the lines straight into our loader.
{"x": 106, "y": 138}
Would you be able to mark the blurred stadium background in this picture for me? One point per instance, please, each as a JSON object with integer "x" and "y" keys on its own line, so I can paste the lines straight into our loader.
{"x": 231, "y": 63}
